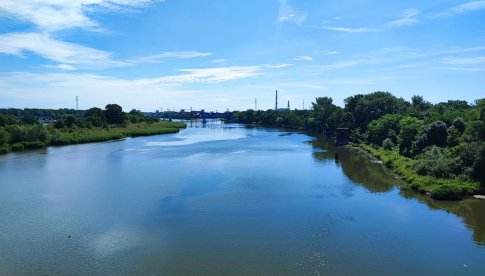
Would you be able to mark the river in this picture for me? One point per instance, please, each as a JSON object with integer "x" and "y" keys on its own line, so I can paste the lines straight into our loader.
{"x": 221, "y": 199}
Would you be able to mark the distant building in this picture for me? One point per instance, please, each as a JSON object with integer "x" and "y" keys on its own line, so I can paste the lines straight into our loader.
{"x": 284, "y": 109}
{"x": 343, "y": 136}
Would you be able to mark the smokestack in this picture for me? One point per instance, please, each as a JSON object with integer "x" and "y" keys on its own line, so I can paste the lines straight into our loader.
{"x": 77, "y": 103}
{"x": 276, "y": 104}
{"x": 288, "y": 104}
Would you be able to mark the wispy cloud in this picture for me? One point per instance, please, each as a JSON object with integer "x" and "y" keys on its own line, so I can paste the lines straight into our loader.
{"x": 50, "y": 16}
{"x": 221, "y": 60}
{"x": 278, "y": 66}
{"x": 289, "y": 14}
{"x": 329, "y": 53}
{"x": 63, "y": 67}
{"x": 303, "y": 58}
{"x": 60, "y": 88}
{"x": 163, "y": 57}
{"x": 459, "y": 9}
{"x": 55, "y": 15}
{"x": 462, "y": 50}
{"x": 466, "y": 69}
{"x": 463, "y": 61}
{"x": 407, "y": 18}
{"x": 351, "y": 30}
{"x": 69, "y": 55}
{"x": 212, "y": 75}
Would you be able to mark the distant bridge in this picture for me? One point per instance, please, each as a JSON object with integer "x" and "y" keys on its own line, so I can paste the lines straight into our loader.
{"x": 187, "y": 115}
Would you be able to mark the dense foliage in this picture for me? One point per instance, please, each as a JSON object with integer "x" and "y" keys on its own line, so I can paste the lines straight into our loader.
{"x": 439, "y": 148}
{"x": 37, "y": 128}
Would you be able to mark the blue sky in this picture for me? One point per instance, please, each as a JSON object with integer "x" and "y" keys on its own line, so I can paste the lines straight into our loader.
{"x": 219, "y": 54}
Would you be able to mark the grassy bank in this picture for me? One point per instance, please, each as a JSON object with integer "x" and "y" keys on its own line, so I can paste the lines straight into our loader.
{"x": 437, "y": 188}
{"x": 89, "y": 135}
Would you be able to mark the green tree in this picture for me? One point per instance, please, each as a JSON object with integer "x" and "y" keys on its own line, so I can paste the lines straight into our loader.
{"x": 29, "y": 119}
{"x": 6, "y": 120}
{"x": 60, "y": 123}
{"x": 114, "y": 114}
{"x": 475, "y": 131}
{"x": 459, "y": 124}
{"x": 322, "y": 109}
{"x": 4, "y": 137}
{"x": 409, "y": 129}
{"x": 387, "y": 144}
{"x": 96, "y": 117}
{"x": 380, "y": 129}
{"x": 419, "y": 103}
{"x": 70, "y": 121}
{"x": 478, "y": 172}
{"x": 367, "y": 108}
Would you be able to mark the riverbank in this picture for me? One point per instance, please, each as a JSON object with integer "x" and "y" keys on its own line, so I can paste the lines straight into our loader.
{"x": 70, "y": 136}
{"x": 444, "y": 189}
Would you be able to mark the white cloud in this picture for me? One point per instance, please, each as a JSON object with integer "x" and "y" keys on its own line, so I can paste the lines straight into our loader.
{"x": 303, "y": 58}
{"x": 463, "y": 61}
{"x": 65, "y": 53}
{"x": 407, "y": 18}
{"x": 463, "y": 50}
{"x": 163, "y": 57}
{"x": 221, "y": 60}
{"x": 59, "y": 89}
{"x": 351, "y": 30}
{"x": 470, "y": 6}
{"x": 278, "y": 66}
{"x": 467, "y": 69}
{"x": 211, "y": 75}
{"x": 289, "y": 14}
{"x": 459, "y": 9}
{"x": 71, "y": 56}
{"x": 55, "y": 15}
{"x": 329, "y": 53}
{"x": 64, "y": 67}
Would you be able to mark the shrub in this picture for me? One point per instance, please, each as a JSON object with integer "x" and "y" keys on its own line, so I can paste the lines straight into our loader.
{"x": 437, "y": 162}
{"x": 4, "y": 149}
{"x": 17, "y": 147}
{"x": 4, "y": 137}
{"x": 387, "y": 144}
{"x": 447, "y": 192}
{"x": 459, "y": 124}
{"x": 33, "y": 145}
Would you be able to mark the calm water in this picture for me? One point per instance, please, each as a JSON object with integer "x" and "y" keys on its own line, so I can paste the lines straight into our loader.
{"x": 225, "y": 200}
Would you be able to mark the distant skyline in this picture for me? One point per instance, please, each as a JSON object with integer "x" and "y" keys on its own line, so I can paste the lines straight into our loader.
{"x": 220, "y": 54}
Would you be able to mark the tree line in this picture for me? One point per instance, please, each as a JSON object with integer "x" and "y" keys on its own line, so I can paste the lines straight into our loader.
{"x": 26, "y": 129}
{"x": 444, "y": 140}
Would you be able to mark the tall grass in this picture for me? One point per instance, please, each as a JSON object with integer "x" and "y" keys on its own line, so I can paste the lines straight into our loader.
{"x": 79, "y": 136}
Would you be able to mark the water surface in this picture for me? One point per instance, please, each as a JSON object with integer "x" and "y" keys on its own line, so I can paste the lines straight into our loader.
{"x": 225, "y": 200}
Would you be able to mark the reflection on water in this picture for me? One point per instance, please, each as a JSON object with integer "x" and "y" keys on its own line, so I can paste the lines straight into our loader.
{"x": 471, "y": 210}
{"x": 225, "y": 200}
{"x": 371, "y": 174}
{"x": 356, "y": 165}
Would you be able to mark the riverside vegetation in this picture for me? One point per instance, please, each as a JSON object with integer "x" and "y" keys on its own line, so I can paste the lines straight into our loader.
{"x": 20, "y": 129}
{"x": 438, "y": 149}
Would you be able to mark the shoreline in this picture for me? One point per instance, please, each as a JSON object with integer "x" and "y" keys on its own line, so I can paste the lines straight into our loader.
{"x": 95, "y": 135}
{"x": 436, "y": 188}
